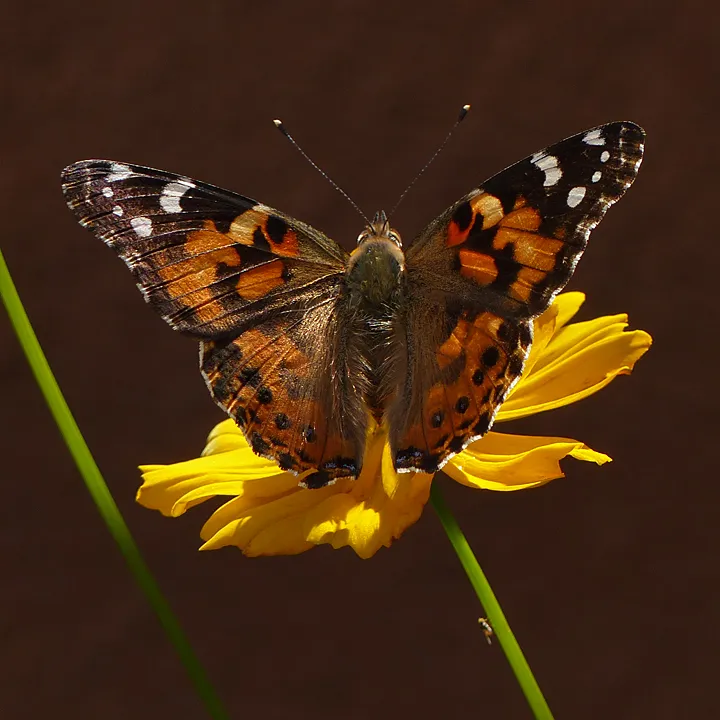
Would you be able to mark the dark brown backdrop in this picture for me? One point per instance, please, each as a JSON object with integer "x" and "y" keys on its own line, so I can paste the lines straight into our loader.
{"x": 609, "y": 577}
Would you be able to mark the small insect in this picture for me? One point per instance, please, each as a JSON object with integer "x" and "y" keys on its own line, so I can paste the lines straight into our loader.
{"x": 303, "y": 343}
{"x": 487, "y": 630}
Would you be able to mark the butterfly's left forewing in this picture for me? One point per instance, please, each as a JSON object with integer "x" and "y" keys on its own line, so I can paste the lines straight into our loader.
{"x": 481, "y": 272}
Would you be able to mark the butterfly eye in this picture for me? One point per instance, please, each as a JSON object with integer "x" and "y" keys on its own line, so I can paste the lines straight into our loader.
{"x": 395, "y": 238}
{"x": 362, "y": 237}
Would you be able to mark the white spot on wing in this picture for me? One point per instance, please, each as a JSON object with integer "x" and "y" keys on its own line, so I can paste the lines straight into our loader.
{"x": 118, "y": 171}
{"x": 142, "y": 226}
{"x": 171, "y": 194}
{"x": 549, "y": 165}
{"x": 594, "y": 137}
{"x": 117, "y": 210}
{"x": 575, "y": 196}
{"x": 107, "y": 191}
{"x": 596, "y": 176}
{"x": 605, "y": 156}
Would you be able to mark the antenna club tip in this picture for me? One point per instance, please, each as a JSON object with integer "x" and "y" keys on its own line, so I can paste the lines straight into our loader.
{"x": 278, "y": 124}
{"x": 463, "y": 112}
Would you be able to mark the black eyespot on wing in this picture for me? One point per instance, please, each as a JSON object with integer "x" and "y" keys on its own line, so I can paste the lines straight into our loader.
{"x": 276, "y": 228}
{"x": 462, "y": 404}
{"x": 490, "y": 357}
{"x": 282, "y": 421}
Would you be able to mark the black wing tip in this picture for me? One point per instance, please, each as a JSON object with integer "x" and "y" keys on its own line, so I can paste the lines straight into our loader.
{"x": 93, "y": 162}
{"x": 81, "y": 170}
{"x": 630, "y": 124}
{"x": 633, "y": 129}
{"x": 625, "y": 129}
{"x": 633, "y": 126}
{"x": 73, "y": 169}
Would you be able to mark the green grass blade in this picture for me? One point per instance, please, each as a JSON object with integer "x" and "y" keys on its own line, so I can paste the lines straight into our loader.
{"x": 491, "y": 607}
{"x": 100, "y": 493}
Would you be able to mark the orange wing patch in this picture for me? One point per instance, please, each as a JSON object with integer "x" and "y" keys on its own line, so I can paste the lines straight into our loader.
{"x": 529, "y": 249}
{"x": 522, "y": 217}
{"x": 203, "y": 251}
{"x": 259, "y": 281}
{"x": 210, "y": 241}
{"x": 478, "y": 266}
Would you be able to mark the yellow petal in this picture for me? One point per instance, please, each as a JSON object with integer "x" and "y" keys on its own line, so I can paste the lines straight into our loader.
{"x": 561, "y": 311}
{"x": 580, "y": 359}
{"x": 279, "y": 523}
{"x": 225, "y": 436}
{"x": 270, "y": 514}
{"x": 172, "y": 489}
{"x": 516, "y": 462}
{"x": 567, "y": 305}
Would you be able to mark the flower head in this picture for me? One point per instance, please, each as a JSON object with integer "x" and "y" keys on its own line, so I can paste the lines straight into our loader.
{"x": 267, "y": 513}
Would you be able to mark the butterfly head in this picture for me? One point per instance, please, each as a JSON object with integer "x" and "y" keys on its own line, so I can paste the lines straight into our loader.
{"x": 379, "y": 229}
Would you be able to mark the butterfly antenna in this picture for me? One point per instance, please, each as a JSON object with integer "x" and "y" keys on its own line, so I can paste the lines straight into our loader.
{"x": 281, "y": 128}
{"x": 461, "y": 117}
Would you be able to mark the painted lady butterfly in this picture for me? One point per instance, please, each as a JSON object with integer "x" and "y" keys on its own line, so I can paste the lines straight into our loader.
{"x": 302, "y": 343}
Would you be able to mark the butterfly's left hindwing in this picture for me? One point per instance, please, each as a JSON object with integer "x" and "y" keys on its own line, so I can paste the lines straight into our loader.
{"x": 480, "y": 272}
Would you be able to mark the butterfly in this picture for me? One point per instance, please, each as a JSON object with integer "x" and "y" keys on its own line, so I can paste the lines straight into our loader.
{"x": 305, "y": 345}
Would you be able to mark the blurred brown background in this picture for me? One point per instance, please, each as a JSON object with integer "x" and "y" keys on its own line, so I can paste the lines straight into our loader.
{"x": 609, "y": 577}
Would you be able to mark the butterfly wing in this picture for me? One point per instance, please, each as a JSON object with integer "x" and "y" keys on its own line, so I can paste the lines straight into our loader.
{"x": 205, "y": 258}
{"x": 479, "y": 274}
{"x": 288, "y": 382}
{"x": 261, "y": 290}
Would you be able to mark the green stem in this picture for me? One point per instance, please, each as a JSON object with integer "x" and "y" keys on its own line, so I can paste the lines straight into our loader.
{"x": 495, "y": 615}
{"x": 100, "y": 492}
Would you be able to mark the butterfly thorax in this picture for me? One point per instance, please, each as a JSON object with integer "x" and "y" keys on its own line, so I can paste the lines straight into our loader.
{"x": 374, "y": 275}
{"x": 376, "y": 268}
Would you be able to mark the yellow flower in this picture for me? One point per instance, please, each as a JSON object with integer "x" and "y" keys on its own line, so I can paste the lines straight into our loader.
{"x": 269, "y": 514}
